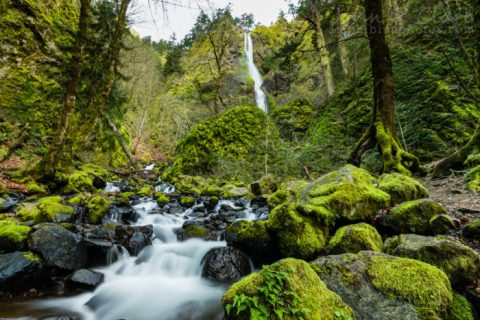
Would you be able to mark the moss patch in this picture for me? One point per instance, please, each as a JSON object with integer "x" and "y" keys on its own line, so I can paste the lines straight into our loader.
{"x": 410, "y": 280}
{"x": 12, "y": 233}
{"x": 402, "y": 188}
{"x": 460, "y": 309}
{"x": 162, "y": 198}
{"x": 97, "y": 208}
{"x": 354, "y": 238}
{"x": 52, "y": 209}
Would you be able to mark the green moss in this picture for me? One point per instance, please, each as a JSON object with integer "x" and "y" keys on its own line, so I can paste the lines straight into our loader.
{"x": 95, "y": 171}
{"x": 146, "y": 191}
{"x": 194, "y": 231}
{"x": 298, "y": 235}
{"x": 421, "y": 284}
{"x": 76, "y": 200}
{"x": 35, "y": 188}
{"x": 187, "y": 201}
{"x": 51, "y": 209}
{"x": 294, "y": 117}
{"x": 287, "y": 289}
{"x": 12, "y": 232}
{"x": 354, "y": 238}
{"x": 416, "y": 217}
{"x": 97, "y": 208}
{"x": 126, "y": 196}
{"x": 79, "y": 181}
{"x": 460, "y": 309}
{"x": 232, "y": 134}
{"x": 402, "y": 188}
{"x": 27, "y": 211}
{"x": 32, "y": 257}
{"x": 349, "y": 192}
{"x": 459, "y": 262}
{"x": 162, "y": 198}
{"x": 472, "y": 230}
{"x": 473, "y": 179}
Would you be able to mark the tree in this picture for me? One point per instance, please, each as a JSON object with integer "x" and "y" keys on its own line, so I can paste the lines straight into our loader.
{"x": 382, "y": 131}
{"x": 457, "y": 159}
{"x": 55, "y": 153}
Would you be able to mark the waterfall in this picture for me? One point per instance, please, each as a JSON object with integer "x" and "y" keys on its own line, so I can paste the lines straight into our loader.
{"x": 255, "y": 74}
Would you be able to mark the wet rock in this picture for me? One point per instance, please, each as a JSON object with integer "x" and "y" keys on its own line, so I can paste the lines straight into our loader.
{"x": 265, "y": 185}
{"x": 134, "y": 238}
{"x": 20, "y": 271}
{"x": 123, "y": 211}
{"x": 254, "y": 239}
{"x": 59, "y": 247}
{"x": 99, "y": 252}
{"x": 7, "y": 203}
{"x": 84, "y": 279}
{"x": 458, "y": 261}
{"x": 225, "y": 264}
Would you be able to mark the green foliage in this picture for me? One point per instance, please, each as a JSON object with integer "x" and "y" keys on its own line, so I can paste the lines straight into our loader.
{"x": 293, "y": 118}
{"x": 288, "y": 289}
{"x": 421, "y": 284}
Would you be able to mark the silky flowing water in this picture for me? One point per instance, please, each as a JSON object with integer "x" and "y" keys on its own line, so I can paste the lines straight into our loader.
{"x": 163, "y": 282}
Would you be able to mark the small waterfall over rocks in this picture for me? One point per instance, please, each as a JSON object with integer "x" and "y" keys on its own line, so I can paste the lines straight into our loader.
{"x": 255, "y": 74}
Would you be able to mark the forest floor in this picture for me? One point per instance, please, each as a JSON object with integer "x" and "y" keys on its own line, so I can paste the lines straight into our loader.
{"x": 451, "y": 192}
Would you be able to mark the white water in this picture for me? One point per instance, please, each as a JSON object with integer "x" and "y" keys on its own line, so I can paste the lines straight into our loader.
{"x": 163, "y": 282}
{"x": 111, "y": 187}
{"x": 255, "y": 74}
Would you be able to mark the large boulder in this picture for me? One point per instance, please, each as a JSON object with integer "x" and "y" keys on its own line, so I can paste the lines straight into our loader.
{"x": 48, "y": 209}
{"x": 20, "y": 271}
{"x": 402, "y": 188}
{"x": 354, "y": 238}
{"x": 195, "y": 231}
{"x": 349, "y": 192}
{"x": 13, "y": 235}
{"x": 472, "y": 230}
{"x": 423, "y": 216}
{"x": 288, "y": 288}
{"x": 254, "y": 239}
{"x": 460, "y": 262}
{"x": 232, "y": 134}
{"x": 58, "y": 247}
{"x": 379, "y": 286}
{"x": 225, "y": 264}
{"x": 298, "y": 235}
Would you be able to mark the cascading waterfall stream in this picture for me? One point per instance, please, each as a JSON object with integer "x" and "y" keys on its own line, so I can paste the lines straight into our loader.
{"x": 255, "y": 74}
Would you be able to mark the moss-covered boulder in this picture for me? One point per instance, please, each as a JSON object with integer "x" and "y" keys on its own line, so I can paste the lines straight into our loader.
{"x": 288, "y": 289}
{"x": 349, "y": 193}
{"x": 402, "y": 188}
{"x": 187, "y": 201}
{"x": 13, "y": 235}
{"x": 162, "y": 198}
{"x": 298, "y": 235}
{"x": 472, "y": 230}
{"x": 21, "y": 271}
{"x": 265, "y": 185}
{"x": 460, "y": 262}
{"x": 293, "y": 118}
{"x": 234, "y": 192}
{"x": 146, "y": 191}
{"x": 287, "y": 191}
{"x": 354, "y": 238}
{"x": 423, "y": 216}
{"x": 27, "y": 211}
{"x": 379, "y": 286}
{"x": 88, "y": 178}
{"x": 97, "y": 207}
{"x": 194, "y": 231}
{"x": 52, "y": 209}
{"x": 232, "y": 134}
{"x": 460, "y": 309}
{"x": 253, "y": 238}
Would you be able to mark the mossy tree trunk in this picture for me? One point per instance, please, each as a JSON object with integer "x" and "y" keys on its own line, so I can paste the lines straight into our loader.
{"x": 55, "y": 154}
{"x": 382, "y": 131}
{"x": 324, "y": 55}
{"x": 341, "y": 47}
{"x": 457, "y": 159}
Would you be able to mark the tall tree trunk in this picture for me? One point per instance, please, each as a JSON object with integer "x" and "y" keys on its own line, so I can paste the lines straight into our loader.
{"x": 324, "y": 56}
{"x": 55, "y": 153}
{"x": 342, "y": 49}
{"x": 382, "y": 130}
{"x": 457, "y": 159}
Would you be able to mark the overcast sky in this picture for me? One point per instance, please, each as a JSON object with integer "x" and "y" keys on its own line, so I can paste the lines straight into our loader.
{"x": 152, "y": 21}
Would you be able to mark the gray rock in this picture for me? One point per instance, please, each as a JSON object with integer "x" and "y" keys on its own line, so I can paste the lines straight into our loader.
{"x": 85, "y": 279}
{"x": 59, "y": 247}
{"x": 134, "y": 238}
{"x": 20, "y": 271}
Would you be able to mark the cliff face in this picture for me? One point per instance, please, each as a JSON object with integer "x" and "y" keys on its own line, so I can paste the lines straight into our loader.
{"x": 35, "y": 37}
